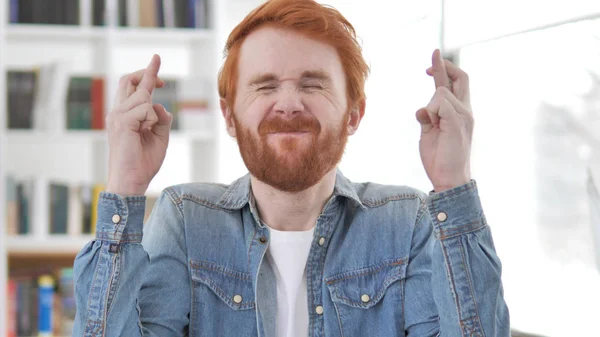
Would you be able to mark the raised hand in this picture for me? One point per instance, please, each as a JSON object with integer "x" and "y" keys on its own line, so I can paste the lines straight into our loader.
{"x": 138, "y": 132}
{"x": 447, "y": 127}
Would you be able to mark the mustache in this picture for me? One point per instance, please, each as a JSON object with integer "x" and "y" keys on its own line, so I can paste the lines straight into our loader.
{"x": 297, "y": 124}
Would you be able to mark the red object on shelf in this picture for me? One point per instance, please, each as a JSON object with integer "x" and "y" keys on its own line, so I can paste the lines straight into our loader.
{"x": 97, "y": 94}
{"x": 12, "y": 309}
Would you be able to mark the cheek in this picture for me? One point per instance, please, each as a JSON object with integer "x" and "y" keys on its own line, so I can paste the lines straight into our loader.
{"x": 251, "y": 113}
{"x": 326, "y": 104}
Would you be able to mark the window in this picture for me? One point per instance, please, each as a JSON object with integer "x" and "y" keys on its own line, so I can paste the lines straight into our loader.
{"x": 536, "y": 99}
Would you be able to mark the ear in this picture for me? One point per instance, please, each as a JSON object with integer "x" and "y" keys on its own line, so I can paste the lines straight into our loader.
{"x": 228, "y": 116}
{"x": 356, "y": 115}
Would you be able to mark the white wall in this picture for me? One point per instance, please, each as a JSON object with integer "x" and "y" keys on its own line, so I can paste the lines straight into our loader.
{"x": 468, "y": 21}
{"x": 533, "y": 183}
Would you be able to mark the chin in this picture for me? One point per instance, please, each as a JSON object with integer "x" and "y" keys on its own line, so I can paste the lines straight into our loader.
{"x": 291, "y": 149}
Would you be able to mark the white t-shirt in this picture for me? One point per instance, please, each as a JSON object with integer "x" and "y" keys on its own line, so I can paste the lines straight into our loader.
{"x": 288, "y": 253}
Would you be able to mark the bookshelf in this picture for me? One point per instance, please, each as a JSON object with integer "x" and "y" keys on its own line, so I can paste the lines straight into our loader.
{"x": 55, "y": 146}
{"x": 58, "y": 245}
{"x": 3, "y": 241}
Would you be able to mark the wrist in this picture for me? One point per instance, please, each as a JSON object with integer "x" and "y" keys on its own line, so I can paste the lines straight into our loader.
{"x": 449, "y": 186}
{"x": 126, "y": 190}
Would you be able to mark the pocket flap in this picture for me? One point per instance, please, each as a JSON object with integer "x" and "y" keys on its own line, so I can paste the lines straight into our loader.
{"x": 232, "y": 286}
{"x": 365, "y": 287}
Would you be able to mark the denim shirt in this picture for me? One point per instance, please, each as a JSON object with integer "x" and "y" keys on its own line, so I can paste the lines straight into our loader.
{"x": 384, "y": 261}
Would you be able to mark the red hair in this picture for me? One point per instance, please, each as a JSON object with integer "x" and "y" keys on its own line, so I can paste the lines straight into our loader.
{"x": 307, "y": 17}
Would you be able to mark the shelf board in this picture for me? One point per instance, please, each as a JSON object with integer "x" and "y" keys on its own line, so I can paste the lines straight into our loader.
{"x": 50, "y": 245}
{"x": 71, "y": 136}
{"x": 34, "y": 32}
{"x": 162, "y": 35}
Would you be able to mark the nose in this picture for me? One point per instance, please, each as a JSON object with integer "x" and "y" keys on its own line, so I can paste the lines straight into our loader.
{"x": 289, "y": 102}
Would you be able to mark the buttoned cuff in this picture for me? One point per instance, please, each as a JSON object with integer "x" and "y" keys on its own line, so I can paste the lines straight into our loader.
{"x": 456, "y": 211}
{"x": 120, "y": 219}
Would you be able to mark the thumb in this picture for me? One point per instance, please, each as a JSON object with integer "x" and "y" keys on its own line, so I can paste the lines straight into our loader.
{"x": 424, "y": 120}
{"x": 165, "y": 119}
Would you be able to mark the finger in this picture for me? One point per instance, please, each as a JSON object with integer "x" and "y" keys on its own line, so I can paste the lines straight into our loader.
{"x": 460, "y": 81}
{"x": 150, "y": 77}
{"x": 429, "y": 71}
{"x": 138, "y": 97}
{"x": 424, "y": 119}
{"x": 134, "y": 85}
{"x": 128, "y": 84}
{"x": 445, "y": 107}
{"x": 440, "y": 76}
{"x": 441, "y": 103}
{"x": 448, "y": 119}
{"x": 459, "y": 106}
{"x": 448, "y": 115}
{"x": 140, "y": 118}
{"x": 163, "y": 125}
{"x": 433, "y": 109}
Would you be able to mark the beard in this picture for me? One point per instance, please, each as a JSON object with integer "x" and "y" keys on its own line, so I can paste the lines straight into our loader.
{"x": 295, "y": 166}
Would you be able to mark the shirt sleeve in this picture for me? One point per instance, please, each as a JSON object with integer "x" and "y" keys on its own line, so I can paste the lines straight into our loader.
{"x": 121, "y": 287}
{"x": 454, "y": 285}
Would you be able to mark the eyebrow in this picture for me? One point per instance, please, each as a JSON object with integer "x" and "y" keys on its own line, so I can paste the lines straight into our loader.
{"x": 317, "y": 75}
{"x": 262, "y": 78}
{"x": 308, "y": 74}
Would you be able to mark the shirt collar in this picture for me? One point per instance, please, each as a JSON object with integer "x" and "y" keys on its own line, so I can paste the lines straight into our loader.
{"x": 239, "y": 192}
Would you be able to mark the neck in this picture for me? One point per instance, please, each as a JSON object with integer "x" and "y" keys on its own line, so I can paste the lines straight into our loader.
{"x": 292, "y": 211}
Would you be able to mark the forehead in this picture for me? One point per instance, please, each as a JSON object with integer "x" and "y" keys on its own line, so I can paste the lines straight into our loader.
{"x": 286, "y": 53}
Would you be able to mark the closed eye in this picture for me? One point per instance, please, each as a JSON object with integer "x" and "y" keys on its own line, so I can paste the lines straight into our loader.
{"x": 267, "y": 87}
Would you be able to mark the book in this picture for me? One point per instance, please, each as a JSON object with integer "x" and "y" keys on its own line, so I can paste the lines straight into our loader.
{"x": 79, "y": 103}
{"x": 97, "y": 103}
{"x": 41, "y": 301}
{"x": 96, "y": 190}
{"x": 69, "y": 206}
{"x": 12, "y": 205}
{"x": 59, "y": 207}
{"x": 11, "y": 297}
{"x": 50, "y": 95}
{"x": 21, "y": 91}
{"x": 59, "y": 12}
{"x": 98, "y": 12}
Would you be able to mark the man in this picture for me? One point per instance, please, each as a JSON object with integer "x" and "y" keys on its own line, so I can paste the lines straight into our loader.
{"x": 293, "y": 248}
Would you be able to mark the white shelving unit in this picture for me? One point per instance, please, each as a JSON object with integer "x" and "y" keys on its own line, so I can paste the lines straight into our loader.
{"x": 3, "y": 241}
{"x": 55, "y": 245}
{"x": 80, "y": 156}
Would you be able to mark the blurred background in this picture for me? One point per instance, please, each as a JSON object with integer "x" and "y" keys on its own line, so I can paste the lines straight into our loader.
{"x": 534, "y": 68}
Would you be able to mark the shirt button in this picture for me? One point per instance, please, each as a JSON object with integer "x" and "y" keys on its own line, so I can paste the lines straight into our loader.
{"x": 321, "y": 241}
{"x": 442, "y": 216}
{"x": 365, "y": 298}
{"x": 319, "y": 310}
{"x": 237, "y": 299}
{"x": 262, "y": 239}
{"x": 116, "y": 218}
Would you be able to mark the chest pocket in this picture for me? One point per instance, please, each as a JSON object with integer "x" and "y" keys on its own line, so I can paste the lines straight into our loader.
{"x": 369, "y": 300}
{"x": 223, "y": 301}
